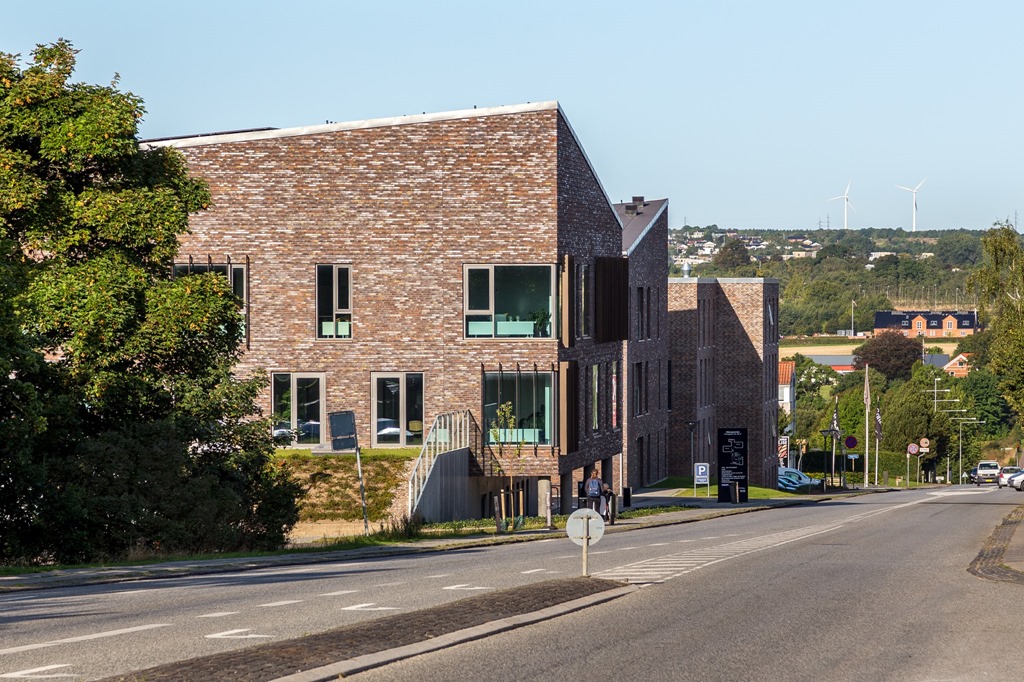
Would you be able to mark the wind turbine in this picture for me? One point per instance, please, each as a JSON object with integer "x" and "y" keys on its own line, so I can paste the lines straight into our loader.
{"x": 913, "y": 227}
{"x": 845, "y": 196}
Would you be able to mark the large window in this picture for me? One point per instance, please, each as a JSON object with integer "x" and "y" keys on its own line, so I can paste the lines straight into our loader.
{"x": 333, "y": 301}
{"x": 298, "y": 401}
{"x": 398, "y": 409}
{"x": 235, "y": 274}
{"x": 508, "y": 301}
{"x": 532, "y": 399}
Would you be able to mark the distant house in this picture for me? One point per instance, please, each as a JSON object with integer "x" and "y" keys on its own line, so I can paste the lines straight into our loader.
{"x": 959, "y": 366}
{"x": 914, "y": 323}
{"x": 842, "y": 364}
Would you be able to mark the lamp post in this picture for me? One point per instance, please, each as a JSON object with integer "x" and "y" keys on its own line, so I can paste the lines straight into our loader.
{"x": 692, "y": 426}
{"x": 960, "y": 439}
{"x": 833, "y": 434}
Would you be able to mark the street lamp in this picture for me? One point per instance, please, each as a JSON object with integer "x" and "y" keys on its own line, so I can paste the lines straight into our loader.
{"x": 960, "y": 439}
{"x": 833, "y": 434}
{"x": 692, "y": 426}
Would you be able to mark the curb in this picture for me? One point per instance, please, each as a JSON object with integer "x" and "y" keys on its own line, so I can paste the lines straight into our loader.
{"x": 360, "y": 663}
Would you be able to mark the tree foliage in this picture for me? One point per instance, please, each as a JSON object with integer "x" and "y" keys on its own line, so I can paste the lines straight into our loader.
{"x": 137, "y": 425}
{"x": 733, "y": 254}
{"x": 890, "y": 353}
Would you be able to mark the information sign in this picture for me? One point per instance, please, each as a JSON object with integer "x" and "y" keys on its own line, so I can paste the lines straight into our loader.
{"x": 732, "y": 463}
{"x": 702, "y": 473}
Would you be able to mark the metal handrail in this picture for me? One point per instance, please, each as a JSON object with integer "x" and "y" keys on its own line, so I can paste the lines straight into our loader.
{"x": 449, "y": 431}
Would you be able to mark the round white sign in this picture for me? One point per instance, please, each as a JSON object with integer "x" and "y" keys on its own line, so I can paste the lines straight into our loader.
{"x": 575, "y": 526}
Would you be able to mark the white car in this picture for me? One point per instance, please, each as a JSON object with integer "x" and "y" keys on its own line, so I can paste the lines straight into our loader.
{"x": 794, "y": 479}
{"x": 1016, "y": 480}
{"x": 1004, "y": 475}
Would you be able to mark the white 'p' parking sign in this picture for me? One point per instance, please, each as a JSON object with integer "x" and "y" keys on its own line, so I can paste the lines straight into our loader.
{"x": 701, "y": 473}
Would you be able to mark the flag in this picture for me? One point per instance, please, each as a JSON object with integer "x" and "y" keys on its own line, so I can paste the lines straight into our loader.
{"x": 878, "y": 423}
{"x": 835, "y": 418}
{"x": 867, "y": 388}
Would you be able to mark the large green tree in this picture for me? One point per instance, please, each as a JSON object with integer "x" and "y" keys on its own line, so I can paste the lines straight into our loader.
{"x": 149, "y": 440}
{"x": 999, "y": 284}
{"x": 890, "y": 353}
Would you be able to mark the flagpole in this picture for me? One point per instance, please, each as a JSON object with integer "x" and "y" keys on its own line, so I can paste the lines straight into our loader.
{"x": 867, "y": 422}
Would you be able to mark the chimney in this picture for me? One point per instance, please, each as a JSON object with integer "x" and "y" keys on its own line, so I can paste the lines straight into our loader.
{"x": 639, "y": 201}
{"x": 630, "y": 209}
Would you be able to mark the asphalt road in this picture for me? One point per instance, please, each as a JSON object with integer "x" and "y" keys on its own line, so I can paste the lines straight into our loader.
{"x": 873, "y": 587}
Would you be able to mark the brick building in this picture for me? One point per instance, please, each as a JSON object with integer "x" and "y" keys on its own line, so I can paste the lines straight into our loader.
{"x": 406, "y": 267}
{"x": 935, "y": 324}
{"x": 724, "y": 346}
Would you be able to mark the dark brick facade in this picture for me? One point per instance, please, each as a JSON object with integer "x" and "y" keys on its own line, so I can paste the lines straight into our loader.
{"x": 724, "y": 337}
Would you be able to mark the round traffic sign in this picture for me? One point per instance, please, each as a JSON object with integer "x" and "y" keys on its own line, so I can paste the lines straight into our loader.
{"x": 924, "y": 442}
{"x": 912, "y": 449}
{"x": 576, "y": 526}
{"x": 850, "y": 442}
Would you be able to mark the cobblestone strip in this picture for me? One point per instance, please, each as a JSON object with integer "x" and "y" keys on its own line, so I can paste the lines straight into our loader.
{"x": 989, "y": 562}
{"x": 271, "y": 661}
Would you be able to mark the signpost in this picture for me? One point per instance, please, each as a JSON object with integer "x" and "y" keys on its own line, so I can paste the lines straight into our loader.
{"x": 701, "y": 476}
{"x": 732, "y": 465}
{"x": 585, "y": 527}
{"x": 911, "y": 450}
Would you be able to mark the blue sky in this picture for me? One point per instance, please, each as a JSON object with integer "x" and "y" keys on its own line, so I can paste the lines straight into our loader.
{"x": 747, "y": 114}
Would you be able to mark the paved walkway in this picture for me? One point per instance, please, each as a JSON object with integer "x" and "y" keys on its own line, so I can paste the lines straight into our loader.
{"x": 344, "y": 651}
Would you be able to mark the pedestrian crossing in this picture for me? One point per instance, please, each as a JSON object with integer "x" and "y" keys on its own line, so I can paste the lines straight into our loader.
{"x": 660, "y": 569}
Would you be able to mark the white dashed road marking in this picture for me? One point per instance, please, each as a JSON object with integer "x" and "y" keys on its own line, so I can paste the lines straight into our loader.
{"x": 219, "y": 614}
{"x": 82, "y": 638}
{"x": 31, "y": 674}
{"x": 281, "y": 603}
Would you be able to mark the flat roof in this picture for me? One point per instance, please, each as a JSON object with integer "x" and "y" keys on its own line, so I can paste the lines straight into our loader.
{"x": 275, "y": 133}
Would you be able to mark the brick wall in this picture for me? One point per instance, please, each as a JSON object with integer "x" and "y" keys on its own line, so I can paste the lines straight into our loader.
{"x": 407, "y": 205}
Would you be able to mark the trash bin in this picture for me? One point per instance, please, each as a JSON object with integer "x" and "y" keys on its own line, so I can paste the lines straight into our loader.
{"x": 627, "y": 496}
{"x": 734, "y": 492}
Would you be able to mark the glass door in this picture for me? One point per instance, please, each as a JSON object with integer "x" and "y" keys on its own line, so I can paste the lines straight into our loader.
{"x": 398, "y": 409}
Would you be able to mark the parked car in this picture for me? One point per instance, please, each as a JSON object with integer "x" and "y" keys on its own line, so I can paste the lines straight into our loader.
{"x": 988, "y": 472}
{"x": 972, "y": 475}
{"x": 1016, "y": 480}
{"x": 1004, "y": 475}
{"x": 793, "y": 480}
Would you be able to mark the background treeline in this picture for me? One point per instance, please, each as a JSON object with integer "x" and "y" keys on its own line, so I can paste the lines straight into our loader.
{"x": 820, "y": 293}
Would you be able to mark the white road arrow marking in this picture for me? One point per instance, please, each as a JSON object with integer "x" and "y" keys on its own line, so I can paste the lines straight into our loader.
{"x": 466, "y": 586}
{"x": 83, "y": 638}
{"x": 234, "y": 634}
{"x": 29, "y": 674}
{"x": 369, "y": 607}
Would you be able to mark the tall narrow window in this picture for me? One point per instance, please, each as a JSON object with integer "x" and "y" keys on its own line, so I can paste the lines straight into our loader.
{"x": 616, "y": 380}
{"x": 637, "y": 382}
{"x": 639, "y": 313}
{"x": 595, "y": 421}
{"x": 647, "y": 329}
{"x": 334, "y": 301}
{"x": 583, "y": 292}
{"x": 397, "y": 408}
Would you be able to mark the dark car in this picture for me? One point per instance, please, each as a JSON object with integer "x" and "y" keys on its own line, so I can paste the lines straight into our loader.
{"x": 973, "y": 475}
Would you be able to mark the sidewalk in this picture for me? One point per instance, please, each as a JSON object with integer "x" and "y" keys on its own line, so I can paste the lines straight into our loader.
{"x": 703, "y": 508}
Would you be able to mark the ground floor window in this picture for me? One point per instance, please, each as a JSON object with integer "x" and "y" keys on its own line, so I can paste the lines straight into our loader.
{"x": 298, "y": 407}
{"x": 531, "y": 396}
{"x": 397, "y": 409}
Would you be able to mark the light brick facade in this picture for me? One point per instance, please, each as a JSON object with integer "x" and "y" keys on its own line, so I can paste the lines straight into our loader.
{"x": 406, "y": 203}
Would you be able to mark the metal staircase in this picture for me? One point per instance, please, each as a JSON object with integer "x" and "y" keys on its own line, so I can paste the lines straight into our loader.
{"x": 449, "y": 432}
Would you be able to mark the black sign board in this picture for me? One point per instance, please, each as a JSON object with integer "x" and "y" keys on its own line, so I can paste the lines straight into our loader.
{"x": 343, "y": 430}
{"x": 732, "y": 463}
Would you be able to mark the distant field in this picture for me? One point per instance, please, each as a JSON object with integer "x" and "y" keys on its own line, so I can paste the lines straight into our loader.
{"x": 790, "y": 347}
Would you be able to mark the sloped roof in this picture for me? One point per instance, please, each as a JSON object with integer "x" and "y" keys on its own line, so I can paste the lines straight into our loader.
{"x": 900, "y": 319}
{"x": 787, "y": 368}
{"x": 634, "y": 227}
